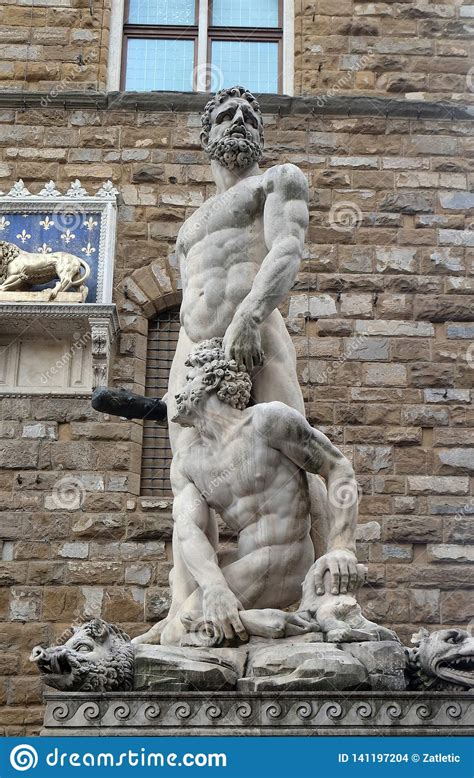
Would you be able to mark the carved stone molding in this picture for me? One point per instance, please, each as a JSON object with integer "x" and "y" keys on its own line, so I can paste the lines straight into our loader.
{"x": 318, "y": 105}
{"x": 75, "y": 191}
{"x": 262, "y": 713}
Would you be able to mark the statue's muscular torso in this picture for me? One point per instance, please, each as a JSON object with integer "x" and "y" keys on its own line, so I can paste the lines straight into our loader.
{"x": 220, "y": 248}
{"x": 261, "y": 495}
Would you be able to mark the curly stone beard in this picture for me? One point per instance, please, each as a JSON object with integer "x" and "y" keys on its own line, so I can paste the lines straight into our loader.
{"x": 235, "y": 150}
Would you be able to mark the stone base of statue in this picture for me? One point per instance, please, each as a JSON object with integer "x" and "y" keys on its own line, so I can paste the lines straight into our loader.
{"x": 294, "y": 686}
{"x": 234, "y": 713}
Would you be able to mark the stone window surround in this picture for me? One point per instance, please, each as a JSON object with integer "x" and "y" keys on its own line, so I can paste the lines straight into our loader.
{"x": 116, "y": 44}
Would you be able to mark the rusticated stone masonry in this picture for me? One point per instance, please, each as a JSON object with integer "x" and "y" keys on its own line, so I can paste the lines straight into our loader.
{"x": 411, "y": 48}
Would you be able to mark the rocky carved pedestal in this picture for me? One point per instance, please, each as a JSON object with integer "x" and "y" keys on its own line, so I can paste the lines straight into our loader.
{"x": 294, "y": 686}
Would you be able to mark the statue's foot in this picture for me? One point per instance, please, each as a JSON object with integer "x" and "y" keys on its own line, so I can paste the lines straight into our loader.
{"x": 200, "y": 633}
{"x": 300, "y": 623}
{"x": 348, "y": 635}
{"x": 153, "y": 636}
{"x": 273, "y": 623}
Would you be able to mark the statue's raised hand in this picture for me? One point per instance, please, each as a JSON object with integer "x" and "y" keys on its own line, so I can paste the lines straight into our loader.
{"x": 242, "y": 342}
{"x": 221, "y": 609}
{"x": 345, "y": 574}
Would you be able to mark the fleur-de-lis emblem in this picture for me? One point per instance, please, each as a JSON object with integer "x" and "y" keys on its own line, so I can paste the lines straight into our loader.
{"x": 23, "y": 236}
{"x": 4, "y": 223}
{"x": 88, "y": 250}
{"x": 46, "y": 222}
{"x": 89, "y": 223}
{"x": 44, "y": 249}
{"x": 68, "y": 236}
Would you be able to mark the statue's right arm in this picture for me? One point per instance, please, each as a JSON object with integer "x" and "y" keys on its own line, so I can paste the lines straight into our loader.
{"x": 191, "y": 515}
{"x": 191, "y": 518}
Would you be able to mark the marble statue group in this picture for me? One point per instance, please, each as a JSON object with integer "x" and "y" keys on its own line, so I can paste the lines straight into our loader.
{"x": 236, "y": 412}
{"x": 244, "y": 454}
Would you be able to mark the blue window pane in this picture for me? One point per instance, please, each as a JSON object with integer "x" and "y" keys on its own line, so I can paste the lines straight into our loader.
{"x": 162, "y": 12}
{"x": 164, "y": 65}
{"x": 252, "y": 64}
{"x": 245, "y": 13}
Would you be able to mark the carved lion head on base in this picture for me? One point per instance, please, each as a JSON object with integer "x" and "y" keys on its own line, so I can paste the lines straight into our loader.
{"x": 8, "y": 252}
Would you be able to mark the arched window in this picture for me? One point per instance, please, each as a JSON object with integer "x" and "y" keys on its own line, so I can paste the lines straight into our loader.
{"x": 156, "y": 452}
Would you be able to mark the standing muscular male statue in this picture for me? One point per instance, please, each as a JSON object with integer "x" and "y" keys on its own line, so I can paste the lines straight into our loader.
{"x": 239, "y": 255}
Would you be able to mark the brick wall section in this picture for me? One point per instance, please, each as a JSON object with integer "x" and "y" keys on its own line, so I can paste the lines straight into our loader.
{"x": 373, "y": 48}
{"x": 378, "y": 316}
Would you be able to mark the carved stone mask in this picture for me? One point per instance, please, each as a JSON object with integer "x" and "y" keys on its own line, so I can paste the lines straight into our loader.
{"x": 98, "y": 657}
{"x": 447, "y": 654}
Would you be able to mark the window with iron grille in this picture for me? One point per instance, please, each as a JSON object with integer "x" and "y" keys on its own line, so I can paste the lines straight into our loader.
{"x": 202, "y": 45}
{"x": 156, "y": 452}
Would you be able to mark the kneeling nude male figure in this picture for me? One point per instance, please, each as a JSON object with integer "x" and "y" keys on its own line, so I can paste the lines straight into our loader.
{"x": 239, "y": 254}
{"x": 249, "y": 464}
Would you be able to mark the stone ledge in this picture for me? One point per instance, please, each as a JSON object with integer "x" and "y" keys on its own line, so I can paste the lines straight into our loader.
{"x": 15, "y": 316}
{"x": 319, "y": 105}
{"x": 255, "y": 714}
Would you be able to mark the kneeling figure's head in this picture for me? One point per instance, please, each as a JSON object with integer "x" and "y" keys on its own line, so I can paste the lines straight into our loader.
{"x": 210, "y": 372}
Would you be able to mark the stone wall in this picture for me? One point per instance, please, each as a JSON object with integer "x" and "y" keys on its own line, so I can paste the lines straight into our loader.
{"x": 406, "y": 48}
{"x": 378, "y": 316}
{"x": 403, "y": 48}
{"x": 54, "y": 45}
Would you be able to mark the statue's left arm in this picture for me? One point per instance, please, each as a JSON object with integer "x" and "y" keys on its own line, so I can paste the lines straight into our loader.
{"x": 288, "y": 431}
{"x": 285, "y": 220}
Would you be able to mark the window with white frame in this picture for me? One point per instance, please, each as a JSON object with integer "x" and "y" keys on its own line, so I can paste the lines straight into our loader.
{"x": 205, "y": 45}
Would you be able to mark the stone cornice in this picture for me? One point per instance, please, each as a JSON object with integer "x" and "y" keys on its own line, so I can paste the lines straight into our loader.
{"x": 184, "y": 102}
{"x": 60, "y": 311}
